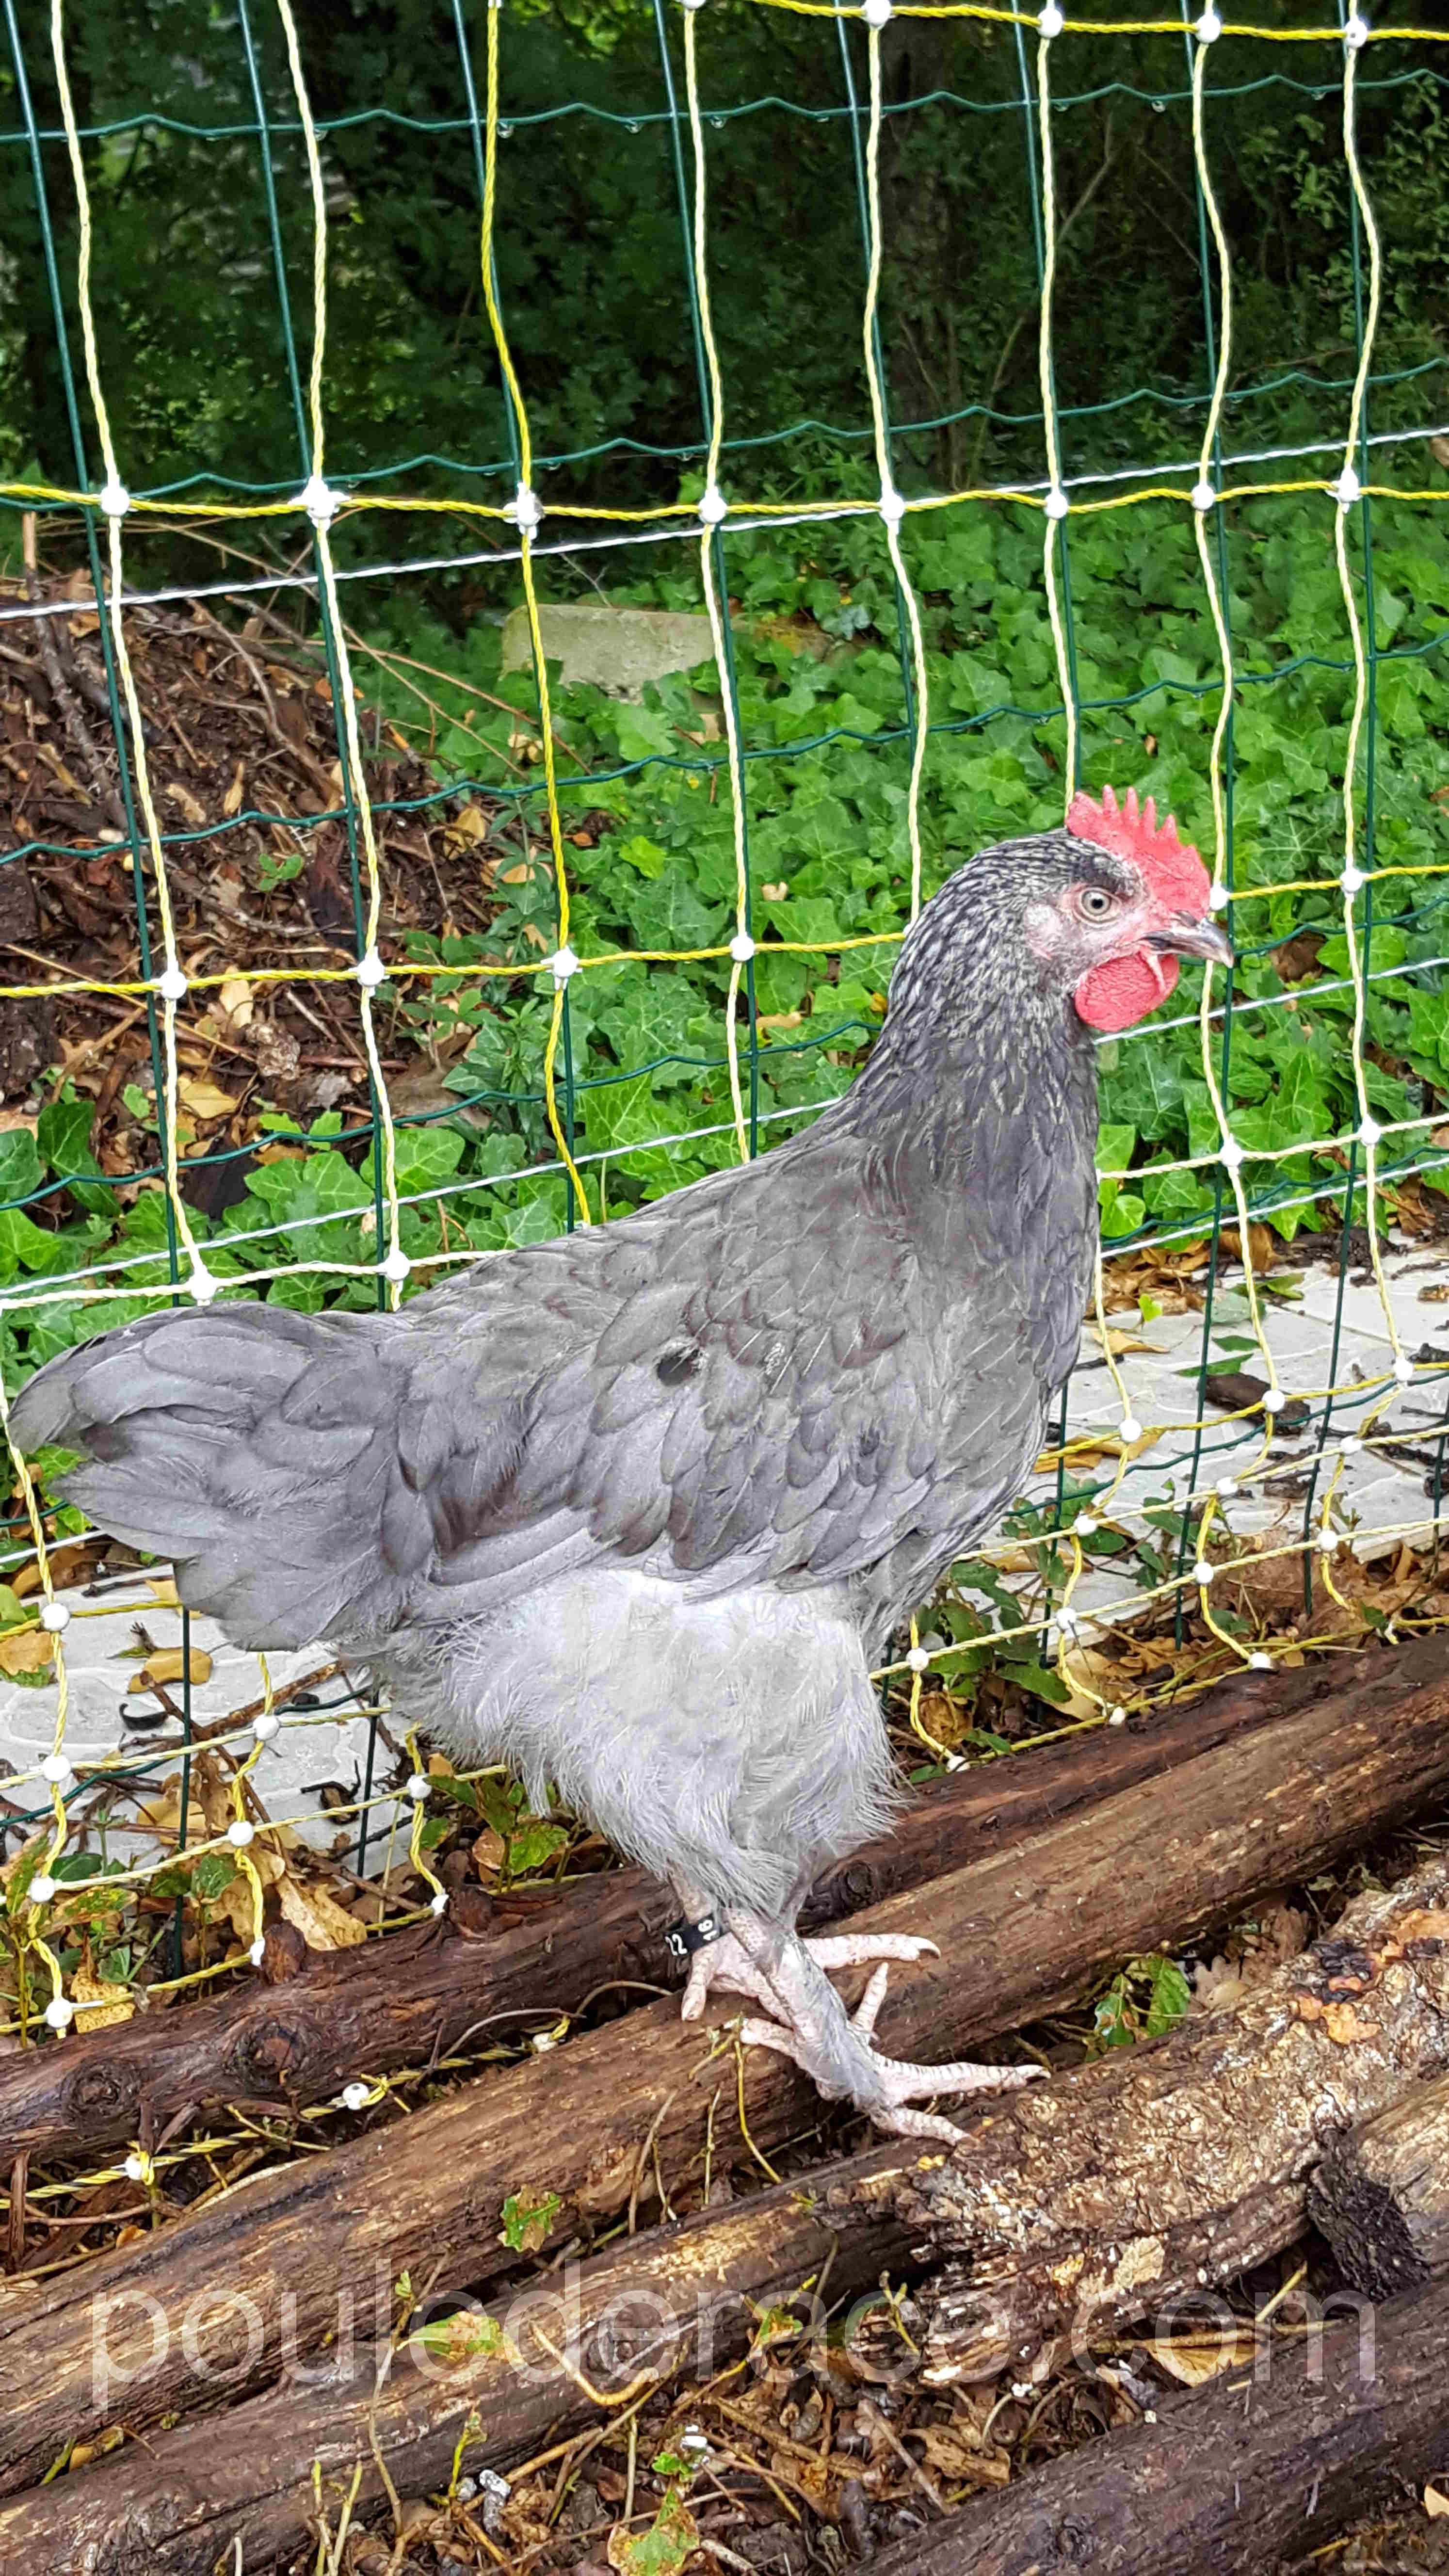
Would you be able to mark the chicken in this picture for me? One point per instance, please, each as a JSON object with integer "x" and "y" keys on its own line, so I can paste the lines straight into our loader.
{"x": 637, "y": 1510}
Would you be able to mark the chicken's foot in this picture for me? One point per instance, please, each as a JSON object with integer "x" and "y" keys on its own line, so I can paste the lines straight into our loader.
{"x": 809, "y": 2024}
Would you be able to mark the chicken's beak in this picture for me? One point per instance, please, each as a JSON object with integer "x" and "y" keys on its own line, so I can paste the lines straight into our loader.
{"x": 1185, "y": 936}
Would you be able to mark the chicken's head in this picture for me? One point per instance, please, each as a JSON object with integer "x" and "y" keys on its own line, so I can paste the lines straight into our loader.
{"x": 1137, "y": 900}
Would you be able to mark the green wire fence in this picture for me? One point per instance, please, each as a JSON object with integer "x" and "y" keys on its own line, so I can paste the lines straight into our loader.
{"x": 531, "y": 523}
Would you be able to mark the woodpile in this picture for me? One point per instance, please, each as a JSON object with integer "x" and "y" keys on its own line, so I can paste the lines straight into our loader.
{"x": 237, "y": 2378}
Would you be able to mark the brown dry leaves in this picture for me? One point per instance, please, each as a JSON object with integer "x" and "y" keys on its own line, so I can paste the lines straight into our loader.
{"x": 322, "y": 1922}
{"x": 26, "y": 1650}
{"x": 275, "y": 1854}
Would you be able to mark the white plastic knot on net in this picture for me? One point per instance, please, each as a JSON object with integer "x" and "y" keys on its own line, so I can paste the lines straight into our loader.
{"x": 525, "y": 510}
{"x": 319, "y": 501}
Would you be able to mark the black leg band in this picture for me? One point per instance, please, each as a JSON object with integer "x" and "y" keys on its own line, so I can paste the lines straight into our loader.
{"x": 683, "y": 1938}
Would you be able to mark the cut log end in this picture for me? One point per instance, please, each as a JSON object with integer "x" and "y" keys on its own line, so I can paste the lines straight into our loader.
{"x": 1382, "y": 2196}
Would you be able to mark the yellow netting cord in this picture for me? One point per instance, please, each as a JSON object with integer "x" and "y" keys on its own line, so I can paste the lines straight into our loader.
{"x": 712, "y": 509}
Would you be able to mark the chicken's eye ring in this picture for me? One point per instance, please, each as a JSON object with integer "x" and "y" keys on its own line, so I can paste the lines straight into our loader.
{"x": 1095, "y": 901}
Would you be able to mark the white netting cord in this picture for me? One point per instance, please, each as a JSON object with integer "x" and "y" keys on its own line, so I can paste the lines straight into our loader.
{"x": 320, "y": 503}
{"x": 526, "y": 511}
{"x": 1352, "y": 879}
{"x": 316, "y": 487}
{"x": 1056, "y": 505}
{"x": 892, "y": 506}
{"x": 1055, "y": 508}
{"x": 712, "y": 511}
{"x": 1231, "y": 1153}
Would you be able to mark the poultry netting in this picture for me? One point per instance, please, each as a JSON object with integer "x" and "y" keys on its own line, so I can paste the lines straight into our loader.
{"x": 1229, "y": 1410}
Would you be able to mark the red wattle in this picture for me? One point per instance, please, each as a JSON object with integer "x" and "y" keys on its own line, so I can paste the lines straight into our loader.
{"x": 1124, "y": 990}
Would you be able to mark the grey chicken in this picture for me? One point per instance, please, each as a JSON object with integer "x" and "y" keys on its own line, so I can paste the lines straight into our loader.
{"x": 636, "y": 1510}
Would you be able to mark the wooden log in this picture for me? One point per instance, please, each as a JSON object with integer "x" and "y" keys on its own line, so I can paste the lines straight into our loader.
{"x": 221, "y": 2301}
{"x": 1382, "y": 2196}
{"x": 681, "y": 2298}
{"x": 1127, "y": 2190}
{"x": 413, "y": 1997}
{"x": 178, "y": 2502}
{"x": 1231, "y": 2479}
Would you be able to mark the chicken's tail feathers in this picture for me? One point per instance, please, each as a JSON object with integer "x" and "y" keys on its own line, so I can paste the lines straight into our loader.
{"x": 255, "y": 1447}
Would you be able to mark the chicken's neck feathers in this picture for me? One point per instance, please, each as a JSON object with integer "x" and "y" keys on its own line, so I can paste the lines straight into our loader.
{"x": 969, "y": 1103}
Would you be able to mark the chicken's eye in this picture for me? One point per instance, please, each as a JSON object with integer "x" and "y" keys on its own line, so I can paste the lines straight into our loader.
{"x": 1094, "y": 901}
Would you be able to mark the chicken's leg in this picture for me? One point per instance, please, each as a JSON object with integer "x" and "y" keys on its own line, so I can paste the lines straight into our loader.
{"x": 723, "y": 1961}
{"x": 809, "y": 2023}
{"x": 726, "y": 1963}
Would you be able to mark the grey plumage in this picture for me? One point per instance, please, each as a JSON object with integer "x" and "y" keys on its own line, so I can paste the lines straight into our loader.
{"x": 638, "y": 1507}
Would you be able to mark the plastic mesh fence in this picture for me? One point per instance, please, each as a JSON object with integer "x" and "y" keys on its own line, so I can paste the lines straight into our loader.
{"x": 353, "y": 536}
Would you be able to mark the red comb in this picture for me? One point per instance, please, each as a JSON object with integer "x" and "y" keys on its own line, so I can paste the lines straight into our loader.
{"x": 1172, "y": 867}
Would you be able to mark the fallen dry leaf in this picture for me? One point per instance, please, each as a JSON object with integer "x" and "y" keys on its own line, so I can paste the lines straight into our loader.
{"x": 235, "y": 998}
{"x": 1262, "y": 1244}
{"x": 98, "y": 2003}
{"x": 488, "y": 1851}
{"x": 182, "y": 796}
{"x": 1196, "y": 2358}
{"x": 470, "y": 823}
{"x": 203, "y": 1099}
{"x": 1436, "y": 2503}
{"x": 231, "y": 801}
{"x": 1116, "y": 1340}
{"x": 1093, "y": 1447}
{"x": 169, "y": 1665}
{"x": 1091, "y": 1678}
{"x": 28, "y": 1650}
{"x": 163, "y": 1591}
{"x": 319, "y": 1918}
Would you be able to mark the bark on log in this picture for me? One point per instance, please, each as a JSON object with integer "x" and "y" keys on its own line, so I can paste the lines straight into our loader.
{"x": 219, "y": 2302}
{"x": 1130, "y": 2188}
{"x": 1229, "y": 2480}
{"x": 1382, "y": 2197}
{"x": 680, "y": 2298}
{"x": 416, "y": 1995}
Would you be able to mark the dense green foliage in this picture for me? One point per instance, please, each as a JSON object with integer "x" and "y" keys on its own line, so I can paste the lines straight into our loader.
{"x": 593, "y": 280}
{"x": 590, "y": 251}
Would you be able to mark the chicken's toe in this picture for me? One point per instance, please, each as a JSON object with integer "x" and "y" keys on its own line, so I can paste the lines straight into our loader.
{"x": 855, "y": 1949}
{"x": 722, "y": 1963}
{"x": 904, "y": 2083}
